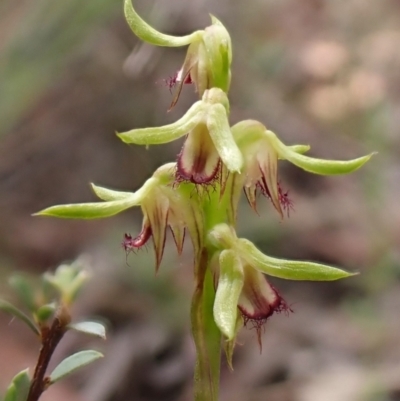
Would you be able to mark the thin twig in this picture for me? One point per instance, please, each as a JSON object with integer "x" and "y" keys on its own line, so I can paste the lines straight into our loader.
{"x": 50, "y": 336}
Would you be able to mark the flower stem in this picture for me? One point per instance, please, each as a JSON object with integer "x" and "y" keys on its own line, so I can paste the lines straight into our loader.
{"x": 206, "y": 335}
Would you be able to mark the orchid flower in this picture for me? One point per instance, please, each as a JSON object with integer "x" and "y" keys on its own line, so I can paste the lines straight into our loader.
{"x": 163, "y": 205}
{"x": 241, "y": 287}
{"x": 261, "y": 150}
{"x": 209, "y": 139}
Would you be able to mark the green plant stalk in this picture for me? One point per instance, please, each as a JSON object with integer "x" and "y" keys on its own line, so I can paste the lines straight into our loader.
{"x": 206, "y": 334}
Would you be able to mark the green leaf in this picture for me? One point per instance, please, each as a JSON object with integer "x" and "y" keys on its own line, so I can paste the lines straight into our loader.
{"x": 167, "y": 133}
{"x": 148, "y": 34}
{"x": 313, "y": 165}
{"x": 22, "y": 383}
{"x": 72, "y": 363}
{"x": 289, "y": 269}
{"x": 23, "y": 288}
{"x": 11, "y": 393}
{"x": 68, "y": 280}
{"x": 12, "y": 310}
{"x": 221, "y": 135}
{"x": 92, "y": 328}
{"x": 230, "y": 284}
{"x": 19, "y": 387}
{"x": 95, "y": 210}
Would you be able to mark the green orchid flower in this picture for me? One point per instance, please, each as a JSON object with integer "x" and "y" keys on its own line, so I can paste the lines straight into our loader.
{"x": 209, "y": 139}
{"x": 163, "y": 205}
{"x": 241, "y": 287}
{"x": 208, "y": 58}
{"x": 261, "y": 150}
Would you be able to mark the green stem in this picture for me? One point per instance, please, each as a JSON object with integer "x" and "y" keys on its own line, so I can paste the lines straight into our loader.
{"x": 206, "y": 335}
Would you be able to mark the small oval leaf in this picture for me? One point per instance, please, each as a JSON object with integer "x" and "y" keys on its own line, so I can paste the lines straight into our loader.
{"x": 92, "y": 328}
{"x": 12, "y": 310}
{"x": 72, "y": 363}
{"x": 23, "y": 288}
{"x": 11, "y": 393}
{"x": 22, "y": 383}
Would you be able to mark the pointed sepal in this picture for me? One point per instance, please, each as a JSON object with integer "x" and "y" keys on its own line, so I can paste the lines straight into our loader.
{"x": 288, "y": 269}
{"x": 150, "y": 35}
{"x": 167, "y": 133}
{"x": 314, "y": 165}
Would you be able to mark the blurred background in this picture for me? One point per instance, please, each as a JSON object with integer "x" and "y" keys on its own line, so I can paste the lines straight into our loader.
{"x": 318, "y": 72}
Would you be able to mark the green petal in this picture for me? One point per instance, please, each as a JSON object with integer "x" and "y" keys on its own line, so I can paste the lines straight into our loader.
{"x": 111, "y": 195}
{"x": 289, "y": 269}
{"x": 220, "y": 132}
{"x": 167, "y": 133}
{"x": 229, "y": 288}
{"x": 299, "y": 148}
{"x": 94, "y": 210}
{"x": 316, "y": 166}
{"x": 148, "y": 34}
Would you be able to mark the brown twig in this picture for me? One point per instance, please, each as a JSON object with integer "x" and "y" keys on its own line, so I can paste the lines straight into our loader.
{"x": 50, "y": 337}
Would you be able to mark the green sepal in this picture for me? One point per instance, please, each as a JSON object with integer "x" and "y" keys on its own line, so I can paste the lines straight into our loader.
{"x": 167, "y": 133}
{"x": 217, "y": 44}
{"x": 150, "y": 35}
{"x": 92, "y": 210}
{"x": 229, "y": 345}
{"x": 221, "y": 135}
{"x": 288, "y": 269}
{"x": 313, "y": 165}
{"x": 230, "y": 284}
